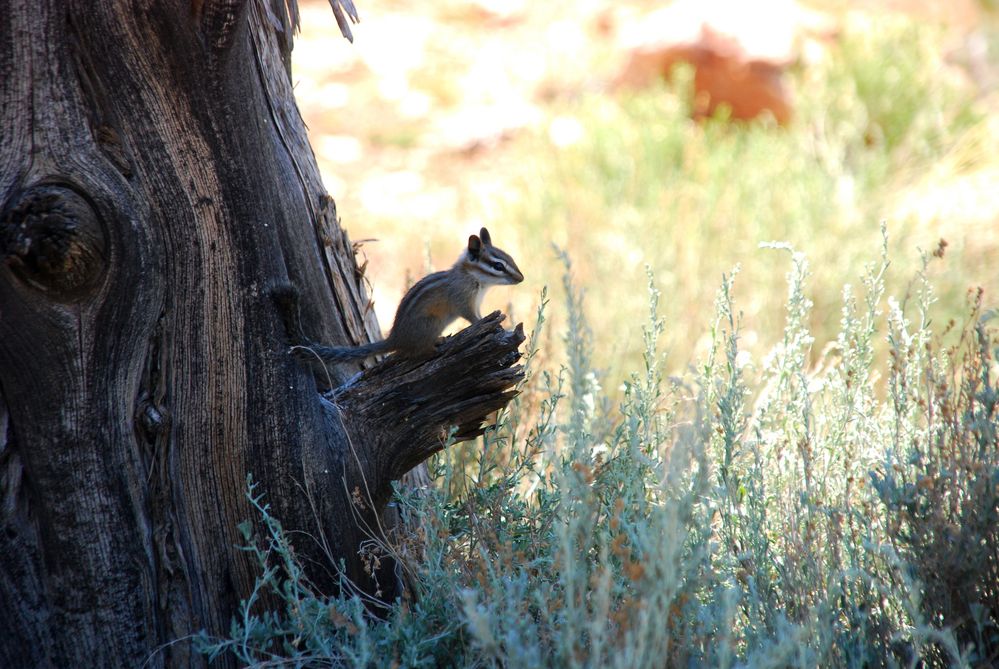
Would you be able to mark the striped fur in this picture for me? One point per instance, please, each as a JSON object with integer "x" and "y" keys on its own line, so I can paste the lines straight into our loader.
{"x": 493, "y": 267}
{"x": 490, "y": 265}
{"x": 436, "y": 301}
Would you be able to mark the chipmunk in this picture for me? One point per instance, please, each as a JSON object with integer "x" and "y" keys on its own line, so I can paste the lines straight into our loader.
{"x": 433, "y": 303}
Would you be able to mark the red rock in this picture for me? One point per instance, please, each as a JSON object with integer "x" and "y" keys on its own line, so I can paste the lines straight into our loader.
{"x": 739, "y": 51}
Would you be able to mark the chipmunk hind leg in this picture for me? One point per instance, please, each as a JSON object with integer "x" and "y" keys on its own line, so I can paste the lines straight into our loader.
{"x": 418, "y": 336}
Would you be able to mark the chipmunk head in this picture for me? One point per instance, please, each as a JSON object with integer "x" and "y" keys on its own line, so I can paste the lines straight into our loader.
{"x": 489, "y": 264}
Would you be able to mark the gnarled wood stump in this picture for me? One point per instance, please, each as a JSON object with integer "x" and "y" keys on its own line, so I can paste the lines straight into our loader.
{"x": 155, "y": 176}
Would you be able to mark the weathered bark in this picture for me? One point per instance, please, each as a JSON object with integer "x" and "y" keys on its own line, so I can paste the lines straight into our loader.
{"x": 406, "y": 406}
{"x": 155, "y": 178}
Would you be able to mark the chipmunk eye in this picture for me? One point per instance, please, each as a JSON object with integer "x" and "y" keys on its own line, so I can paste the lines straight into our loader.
{"x": 498, "y": 266}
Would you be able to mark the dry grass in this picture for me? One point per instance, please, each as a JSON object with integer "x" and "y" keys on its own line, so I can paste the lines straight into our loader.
{"x": 439, "y": 121}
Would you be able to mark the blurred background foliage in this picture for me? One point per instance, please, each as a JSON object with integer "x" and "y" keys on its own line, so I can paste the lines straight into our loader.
{"x": 529, "y": 118}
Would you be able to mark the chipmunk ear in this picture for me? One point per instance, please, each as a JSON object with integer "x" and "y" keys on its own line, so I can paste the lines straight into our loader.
{"x": 474, "y": 247}
{"x": 485, "y": 237}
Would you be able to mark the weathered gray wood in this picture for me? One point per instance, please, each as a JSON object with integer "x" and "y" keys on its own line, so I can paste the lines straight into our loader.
{"x": 155, "y": 177}
{"x": 407, "y": 406}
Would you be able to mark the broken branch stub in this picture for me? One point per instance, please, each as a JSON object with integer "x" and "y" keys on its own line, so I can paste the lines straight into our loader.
{"x": 402, "y": 409}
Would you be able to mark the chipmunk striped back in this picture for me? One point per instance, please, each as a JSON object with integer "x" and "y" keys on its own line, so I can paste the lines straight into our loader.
{"x": 435, "y": 301}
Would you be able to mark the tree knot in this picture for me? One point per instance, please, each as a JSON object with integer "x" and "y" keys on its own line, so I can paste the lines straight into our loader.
{"x": 52, "y": 238}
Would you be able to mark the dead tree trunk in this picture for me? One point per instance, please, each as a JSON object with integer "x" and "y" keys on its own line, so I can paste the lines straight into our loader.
{"x": 155, "y": 180}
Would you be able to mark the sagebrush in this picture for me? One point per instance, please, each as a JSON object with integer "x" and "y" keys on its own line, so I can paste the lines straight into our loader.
{"x": 820, "y": 507}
